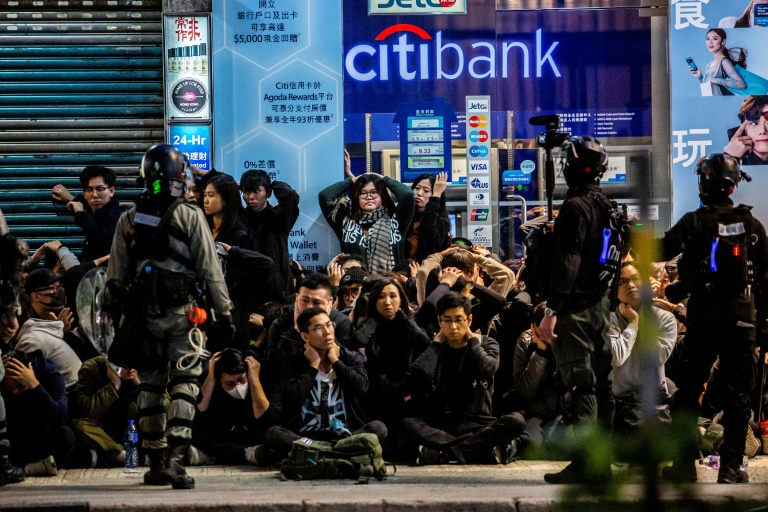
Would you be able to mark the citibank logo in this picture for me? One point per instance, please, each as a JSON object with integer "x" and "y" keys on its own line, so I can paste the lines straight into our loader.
{"x": 478, "y": 136}
{"x": 417, "y": 6}
{"x": 478, "y": 151}
{"x": 414, "y": 54}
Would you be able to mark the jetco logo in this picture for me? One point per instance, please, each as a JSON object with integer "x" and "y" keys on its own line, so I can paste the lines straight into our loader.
{"x": 430, "y": 58}
{"x": 479, "y": 215}
{"x": 478, "y": 121}
{"x": 417, "y": 6}
{"x": 478, "y": 136}
{"x": 478, "y": 107}
{"x": 480, "y": 183}
{"x": 478, "y": 151}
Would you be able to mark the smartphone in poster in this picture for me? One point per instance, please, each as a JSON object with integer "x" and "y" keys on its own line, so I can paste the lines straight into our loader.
{"x": 719, "y": 92}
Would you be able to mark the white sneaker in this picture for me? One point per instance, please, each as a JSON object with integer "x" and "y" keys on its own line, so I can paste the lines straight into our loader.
{"x": 43, "y": 467}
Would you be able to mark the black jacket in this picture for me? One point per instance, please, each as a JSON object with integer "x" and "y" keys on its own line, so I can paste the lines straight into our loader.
{"x": 270, "y": 229}
{"x": 39, "y": 409}
{"x": 297, "y": 379}
{"x": 574, "y": 284}
{"x": 99, "y": 228}
{"x": 692, "y": 235}
{"x": 459, "y": 381}
{"x": 432, "y": 232}
{"x": 391, "y": 347}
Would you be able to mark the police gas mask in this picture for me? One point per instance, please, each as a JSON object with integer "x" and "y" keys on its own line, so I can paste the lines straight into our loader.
{"x": 239, "y": 391}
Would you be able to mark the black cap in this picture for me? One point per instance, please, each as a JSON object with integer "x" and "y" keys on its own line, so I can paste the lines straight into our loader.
{"x": 354, "y": 275}
{"x": 458, "y": 240}
{"x": 40, "y": 278}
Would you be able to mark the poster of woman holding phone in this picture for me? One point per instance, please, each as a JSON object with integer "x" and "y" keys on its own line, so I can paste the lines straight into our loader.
{"x": 721, "y": 76}
{"x": 749, "y": 141}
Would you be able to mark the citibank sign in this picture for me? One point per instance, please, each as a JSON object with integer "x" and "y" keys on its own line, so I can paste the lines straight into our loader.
{"x": 408, "y": 52}
{"x": 417, "y": 6}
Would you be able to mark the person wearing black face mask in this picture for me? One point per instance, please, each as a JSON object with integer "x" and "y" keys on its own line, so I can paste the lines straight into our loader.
{"x": 50, "y": 320}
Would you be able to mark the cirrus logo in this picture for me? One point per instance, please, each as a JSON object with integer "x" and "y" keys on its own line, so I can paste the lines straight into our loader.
{"x": 478, "y": 151}
{"x": 478, "y": 136}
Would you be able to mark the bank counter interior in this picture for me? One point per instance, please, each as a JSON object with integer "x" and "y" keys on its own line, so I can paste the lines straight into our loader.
{"x": 629, "y": 177}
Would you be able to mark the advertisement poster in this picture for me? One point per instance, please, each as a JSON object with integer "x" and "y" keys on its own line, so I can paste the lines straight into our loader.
{"x": 278, "y": 80}
{"x": 719, "y": 92}
{"x": 186, "y": 64}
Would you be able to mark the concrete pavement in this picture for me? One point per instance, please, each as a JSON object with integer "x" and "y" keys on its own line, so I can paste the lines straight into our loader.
{"x": 516, "y": 487}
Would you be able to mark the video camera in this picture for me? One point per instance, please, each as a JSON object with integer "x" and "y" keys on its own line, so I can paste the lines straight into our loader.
{"x": 553, "y": 137}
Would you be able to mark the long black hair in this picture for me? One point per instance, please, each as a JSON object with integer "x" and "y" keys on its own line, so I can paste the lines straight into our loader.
{"x": 227, "y": 188}
{"x": 736, "y": 55}
{"x": 431, "y": 178}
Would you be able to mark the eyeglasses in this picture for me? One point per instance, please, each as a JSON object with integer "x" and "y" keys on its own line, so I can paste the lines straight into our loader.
{"x": 756, "y": 117}
{"x": 458, "y": 321}
{"x": 321, "y": 328}
{"x": 98, "y": 190}
{"x": 635, "y": 280}
{"x": 372, "y": 194}
{"x": 54, "y": 287}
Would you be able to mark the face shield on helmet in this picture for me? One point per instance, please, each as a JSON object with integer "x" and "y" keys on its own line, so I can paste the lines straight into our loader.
{"x": 584, "y": 160}
{"x": 163, "y": 170}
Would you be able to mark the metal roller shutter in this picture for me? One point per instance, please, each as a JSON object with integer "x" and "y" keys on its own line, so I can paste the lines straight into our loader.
{"x": 81, "y": 82}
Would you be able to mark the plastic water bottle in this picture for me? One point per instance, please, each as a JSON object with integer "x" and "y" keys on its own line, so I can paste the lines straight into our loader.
{"x": 131, "y": 448}
{"x": 710, "y": 462}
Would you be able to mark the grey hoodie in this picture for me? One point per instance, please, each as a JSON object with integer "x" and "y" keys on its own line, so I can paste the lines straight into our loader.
{"x": 48, "y": 336}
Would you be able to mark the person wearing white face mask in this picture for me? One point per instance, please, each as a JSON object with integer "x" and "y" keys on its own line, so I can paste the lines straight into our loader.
{"x": 234, "y": 411}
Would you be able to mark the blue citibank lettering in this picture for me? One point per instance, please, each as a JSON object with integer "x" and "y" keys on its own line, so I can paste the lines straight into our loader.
{"x": 427, "y": 59}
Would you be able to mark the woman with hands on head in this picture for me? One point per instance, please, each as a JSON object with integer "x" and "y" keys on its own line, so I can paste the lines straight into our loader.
{"x": 366, "y": 220}
{"x": 430, "y": 229}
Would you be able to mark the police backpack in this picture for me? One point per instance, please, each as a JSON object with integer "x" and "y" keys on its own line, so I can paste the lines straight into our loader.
{"x": 358, "y": 456}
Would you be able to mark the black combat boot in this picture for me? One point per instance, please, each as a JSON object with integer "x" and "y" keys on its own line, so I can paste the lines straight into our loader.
{"x": 174, "y": 465}
{"x": 157, "y": 474}
{"x": 9, "y": 474}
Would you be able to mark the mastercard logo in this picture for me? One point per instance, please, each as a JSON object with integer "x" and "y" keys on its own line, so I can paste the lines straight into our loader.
{"x": 478, "y": 121}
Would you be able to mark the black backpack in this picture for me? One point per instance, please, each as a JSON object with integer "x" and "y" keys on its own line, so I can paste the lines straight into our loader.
{"x": 725, "y": 255}
{"x": 614, "y": 246}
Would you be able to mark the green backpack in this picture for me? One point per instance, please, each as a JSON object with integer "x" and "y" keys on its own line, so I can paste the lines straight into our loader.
{"x": 358, "y": 457}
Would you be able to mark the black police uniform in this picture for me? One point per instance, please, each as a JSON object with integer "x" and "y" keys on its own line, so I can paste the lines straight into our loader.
{"x": 720, "y": 322}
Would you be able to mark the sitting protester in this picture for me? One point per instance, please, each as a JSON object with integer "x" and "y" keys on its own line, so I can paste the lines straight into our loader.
{"x": 235, "y": 412}
{"x": 535, "y": 389}
{"x": 456, "y": 372}
{"x": 36, "y": 405}
{"x": 628, "y": 355}
{"x": 391, "y": 341}
{"x": 322, "y": 383}
{"x": 102, "y": 402}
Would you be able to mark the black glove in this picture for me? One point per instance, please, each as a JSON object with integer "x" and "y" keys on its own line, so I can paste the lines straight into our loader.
{"x": 226, "y": 329}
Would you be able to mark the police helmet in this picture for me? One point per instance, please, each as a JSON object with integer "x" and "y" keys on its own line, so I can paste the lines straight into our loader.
{"x": 163, "y": 170}
{"x": 584, "y": 160}
{"x": 720, "y": 173}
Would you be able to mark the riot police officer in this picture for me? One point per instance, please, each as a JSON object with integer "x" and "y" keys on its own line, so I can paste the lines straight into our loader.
{"x": 576, "y": 319}
{"x": 723, "y": 266}
{"x": 164, "y": 253}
